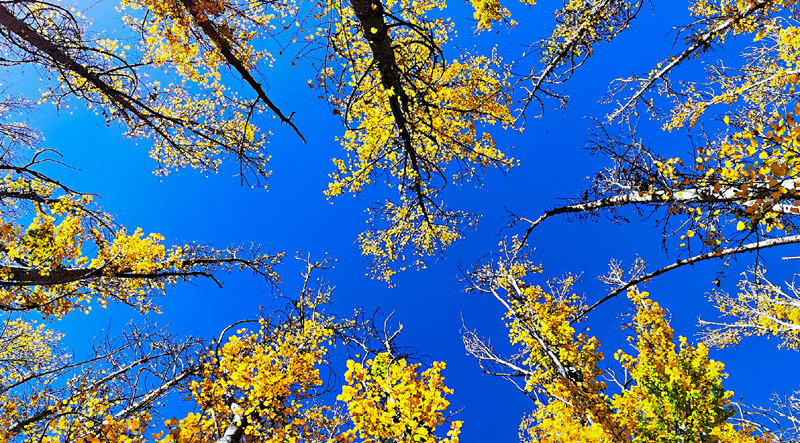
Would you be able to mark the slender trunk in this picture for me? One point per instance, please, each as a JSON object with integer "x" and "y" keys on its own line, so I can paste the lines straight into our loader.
{"x": 235, "y": 430}
{"x": 226, "y": 49}
{"x": 370, "y": 15}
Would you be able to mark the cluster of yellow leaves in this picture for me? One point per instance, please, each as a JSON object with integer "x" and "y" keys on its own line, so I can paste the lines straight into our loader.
{"x": 9, "y": 409}
{"x": 259, "y": 382}
{"x": 194, "y": 122}
{"x": 745, "y": 16}
{"x": 414, "y": 127}
{"x": 762, "y": 162}
{"x": 671, "y": 395}
{"x": 26, "y": 348}
{"x": 388, "y": 400}
{"x": 372, "y": 138}
{"x": 46, "y": 269}
{"x": 224, "y": 113}
{"x": 171, "y": 33}
{"x": 462, "y": 95}
{"x": 583, "y": 23}
{"x": 44, "y": 266}
{"x": 677, "y": 393}
{"x": 560, "y": 362}
{"x": 538, "y": 315}
{"x": 488, "y": 12}
{"x": 407, "y": 225}
{"x": 87, "y": 418}
{"x": 770, "y": 76}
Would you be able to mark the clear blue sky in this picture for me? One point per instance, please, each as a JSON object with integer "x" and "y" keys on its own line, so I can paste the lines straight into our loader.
{"x": 295, "y": 216}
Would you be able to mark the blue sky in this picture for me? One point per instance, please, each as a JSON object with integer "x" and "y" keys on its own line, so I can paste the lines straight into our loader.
{"x": 295, "y": 216}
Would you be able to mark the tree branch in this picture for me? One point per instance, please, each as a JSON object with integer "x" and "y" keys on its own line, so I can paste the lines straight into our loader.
{"x": 755, "y": 246}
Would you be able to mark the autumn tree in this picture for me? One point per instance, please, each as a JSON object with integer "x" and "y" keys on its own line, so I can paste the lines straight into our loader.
{"x": 735, "y": 193}
{"x": 114, "y": 391}
{"x": 411, "y": 114}
{"x": 666, "y": 390}
{"x": 46, "y": 228}
{"x": 189, "y": 115}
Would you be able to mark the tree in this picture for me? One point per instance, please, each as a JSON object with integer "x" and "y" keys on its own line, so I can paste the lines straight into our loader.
{"x": 44, "y": 267}
{"x": 189, "y": 129}
{"x": 113, "y": 392}
{"x": 658, "y": 394}
{"x": 409, "y": 115}
{"x": 736, "y": 194}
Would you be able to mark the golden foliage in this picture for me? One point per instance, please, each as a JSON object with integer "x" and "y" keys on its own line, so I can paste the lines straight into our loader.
{"x": 669, "y": 392}
{"x": 388, "y": 400}
{"x": 411, "y": 116}
{"x": 60, "y": 253}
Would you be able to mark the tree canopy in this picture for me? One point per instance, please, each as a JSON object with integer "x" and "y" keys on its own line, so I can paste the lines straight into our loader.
{"x": 665, "y": 192}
